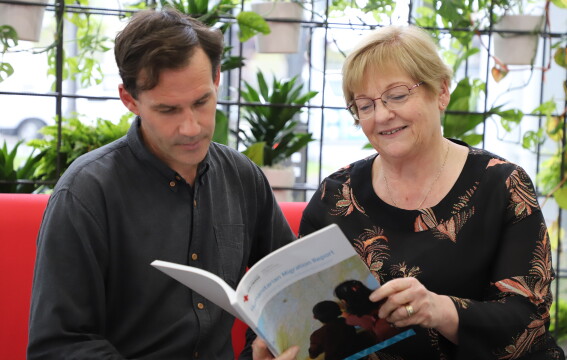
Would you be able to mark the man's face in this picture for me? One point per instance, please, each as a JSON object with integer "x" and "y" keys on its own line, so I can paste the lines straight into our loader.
{"x": 178, "y": 115}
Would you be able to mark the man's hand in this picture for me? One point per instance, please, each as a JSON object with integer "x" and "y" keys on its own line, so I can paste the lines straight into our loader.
{"x": 260, "y": 352}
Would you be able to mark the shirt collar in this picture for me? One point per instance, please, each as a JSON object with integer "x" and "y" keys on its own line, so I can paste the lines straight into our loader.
{"x": 140, "y": 150}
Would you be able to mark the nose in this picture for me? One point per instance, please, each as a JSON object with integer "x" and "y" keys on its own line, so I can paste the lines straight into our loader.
{"x": 189, "y": 125}
{"x": 381, "y": 112}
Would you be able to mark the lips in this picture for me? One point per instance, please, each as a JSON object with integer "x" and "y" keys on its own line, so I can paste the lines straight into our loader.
{"x": 190, "y": 145}
{"x": 393, "y": 131}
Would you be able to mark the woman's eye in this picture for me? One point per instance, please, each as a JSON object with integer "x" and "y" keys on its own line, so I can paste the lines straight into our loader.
{"x": 397, "y": 97}
{"x": 365, "y": 107}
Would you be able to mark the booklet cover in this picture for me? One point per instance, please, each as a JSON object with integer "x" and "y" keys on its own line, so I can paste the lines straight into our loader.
{"x": 290, "y": 297}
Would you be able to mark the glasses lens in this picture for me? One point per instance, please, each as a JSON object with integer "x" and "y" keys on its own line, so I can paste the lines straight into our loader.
{"x": 353, "y": 110}
{"x": 395, "y": 97}
{"x": 364, "y": 107}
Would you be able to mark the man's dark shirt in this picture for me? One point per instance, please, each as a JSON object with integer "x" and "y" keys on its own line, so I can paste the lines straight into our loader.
{"x": 114, "y": 211}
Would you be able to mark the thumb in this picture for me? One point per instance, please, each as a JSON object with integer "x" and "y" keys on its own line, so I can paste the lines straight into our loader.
{"x": 289, "y": 354}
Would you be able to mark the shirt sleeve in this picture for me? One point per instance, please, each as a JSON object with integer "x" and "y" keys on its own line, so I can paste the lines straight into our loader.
{"x": 67, "y": 305}
{"x": 512, "y": 318}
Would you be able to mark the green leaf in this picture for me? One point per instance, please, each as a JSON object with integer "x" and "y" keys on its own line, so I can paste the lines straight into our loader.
{"x": 255, "y": 152}
{"x": 531, "y": 139}
{"x": 560, "y": 3}
{"x": 274, "y": 121}
{"x": 5, "y": 69}
{"x": 560, "y": 195}
{"x": 221, "y": 128}
{"x": 8, "y": 37}
{"x": 231, "y": 62}
{"x": 507, "y": 117}
{"x": 560, "y": 56}
{"x": 250, "y": 24}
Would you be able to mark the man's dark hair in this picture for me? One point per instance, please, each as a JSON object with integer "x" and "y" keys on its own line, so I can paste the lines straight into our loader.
{"x": 155, "y": 40}
{"x": 326, "y": 311}
{"x": 355, "y": 294}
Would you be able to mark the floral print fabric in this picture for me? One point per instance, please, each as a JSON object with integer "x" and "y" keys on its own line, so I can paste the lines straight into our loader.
{"x": 485, "y": 245}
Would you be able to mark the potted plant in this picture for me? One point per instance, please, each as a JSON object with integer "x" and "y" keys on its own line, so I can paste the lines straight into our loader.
{"x": 272, "y": 135}
{"x": 519, "y": 46}
{"x": 77, "y": 138}
{"x": 220, "y": 13}
{"x": 284, "y": 21}
{"x": 26, "y": 19}
{"x": 14, "y": 177}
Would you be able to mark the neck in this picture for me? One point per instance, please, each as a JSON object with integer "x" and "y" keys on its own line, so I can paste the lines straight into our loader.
{"x": 408, "y": 185}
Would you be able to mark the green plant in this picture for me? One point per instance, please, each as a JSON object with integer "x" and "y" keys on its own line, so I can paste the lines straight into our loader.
{"x": 552, "y": 178}
{"x": 10, "y": 174}
{"x": 273, "y": 135}
{"x": 211, "y": 13}
{"x": 559, "y": 328}
{"x": 461, "y": 119}
{"x": 77, "y": 138}
{"x": 90, "y": 45}
{"x": 8, "y": 39}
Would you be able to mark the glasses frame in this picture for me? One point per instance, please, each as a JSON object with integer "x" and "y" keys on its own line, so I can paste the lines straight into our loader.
{"x": 353, "y": 102}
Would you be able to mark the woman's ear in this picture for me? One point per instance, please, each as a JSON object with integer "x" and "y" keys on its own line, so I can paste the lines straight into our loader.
{"x": 444, "y": 95}
{"x": 128, "y": 100}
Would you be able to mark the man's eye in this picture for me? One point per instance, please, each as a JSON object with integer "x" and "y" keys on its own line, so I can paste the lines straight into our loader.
{"x": 168, "y": 111}
{"x": 202, "y": 102}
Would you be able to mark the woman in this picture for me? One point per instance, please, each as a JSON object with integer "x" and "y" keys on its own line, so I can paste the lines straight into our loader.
{"x": 454, "y": 233}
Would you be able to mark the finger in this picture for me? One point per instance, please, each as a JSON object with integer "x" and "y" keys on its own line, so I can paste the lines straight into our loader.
{"x": 400, "y": 317}
{"x": 393, "y": 302}
{"x": 289, "y": 354}
{"x": 260, "y": 350}
{"x": 389, "y": 288}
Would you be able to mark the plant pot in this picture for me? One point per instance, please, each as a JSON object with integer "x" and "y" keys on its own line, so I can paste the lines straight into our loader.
{"x": 283, "y": 36}
{"x": 25, "y": 19}
{"x": 513, "y": 48}
{"x": 280, "y": 178}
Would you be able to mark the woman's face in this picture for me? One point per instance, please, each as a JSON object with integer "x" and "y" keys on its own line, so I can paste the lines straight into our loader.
{"x": 413, "y": 126}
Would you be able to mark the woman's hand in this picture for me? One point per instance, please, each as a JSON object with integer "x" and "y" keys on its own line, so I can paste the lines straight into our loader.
{"x": 260, "y": 352}
{"x": 407, "y": 302}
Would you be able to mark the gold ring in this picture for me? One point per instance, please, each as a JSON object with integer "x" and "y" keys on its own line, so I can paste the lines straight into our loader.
{"x": 409, "y": 310}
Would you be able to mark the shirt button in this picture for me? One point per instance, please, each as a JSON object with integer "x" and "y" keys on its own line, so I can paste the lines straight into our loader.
{"x": 172, "y": 183}
{"x": 201, "y": 306}
{"x": 194, "y": 257}
{"x": 178, "y": 178}
{"x": 194, "y": 203}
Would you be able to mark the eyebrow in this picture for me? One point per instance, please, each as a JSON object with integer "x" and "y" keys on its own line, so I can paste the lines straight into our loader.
{"x": 168, "y": 106}
{"x": 390, "y": 86}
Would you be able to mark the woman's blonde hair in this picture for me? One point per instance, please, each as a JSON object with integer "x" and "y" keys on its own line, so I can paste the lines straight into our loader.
{"x": 407, "y": 48}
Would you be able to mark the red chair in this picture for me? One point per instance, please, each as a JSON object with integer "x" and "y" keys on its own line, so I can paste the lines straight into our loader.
{"x": 292, "y": 212}
{"x": 20, "y": 218}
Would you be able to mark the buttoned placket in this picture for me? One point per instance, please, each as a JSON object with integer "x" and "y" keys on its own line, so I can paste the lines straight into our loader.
{"x": 199, "y": 303}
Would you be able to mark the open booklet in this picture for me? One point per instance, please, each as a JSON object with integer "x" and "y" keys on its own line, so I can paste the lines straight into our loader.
{"x": 284, "y": 294}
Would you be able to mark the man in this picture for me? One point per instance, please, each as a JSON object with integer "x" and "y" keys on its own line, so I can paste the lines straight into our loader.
{"x": 164, "y": 191}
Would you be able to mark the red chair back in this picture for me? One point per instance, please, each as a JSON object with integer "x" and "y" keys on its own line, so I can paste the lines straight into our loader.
{"x": 20, "y": 218}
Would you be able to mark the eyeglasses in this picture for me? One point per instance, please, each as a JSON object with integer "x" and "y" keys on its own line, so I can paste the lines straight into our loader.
{"x": 393, "y": 99}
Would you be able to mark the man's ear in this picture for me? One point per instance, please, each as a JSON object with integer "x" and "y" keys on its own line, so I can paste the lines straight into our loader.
{"x": 128, "y": 100}
{"x": 217, "y": 77}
